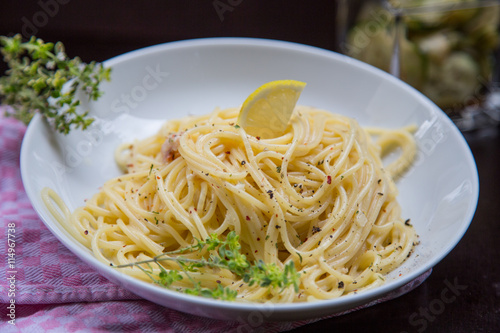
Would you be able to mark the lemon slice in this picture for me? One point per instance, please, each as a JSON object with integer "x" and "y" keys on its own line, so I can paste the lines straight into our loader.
{"x": 267, "y": 111}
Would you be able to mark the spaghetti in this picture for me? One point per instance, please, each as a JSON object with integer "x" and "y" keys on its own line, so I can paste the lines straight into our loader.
{"x": 318, "y": 195}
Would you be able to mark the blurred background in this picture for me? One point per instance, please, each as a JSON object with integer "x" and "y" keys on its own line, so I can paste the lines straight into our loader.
{"x": 98, "y": 30}
{"x": 447, "y": 49}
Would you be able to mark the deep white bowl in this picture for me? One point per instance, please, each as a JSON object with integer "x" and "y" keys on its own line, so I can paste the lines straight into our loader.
{"x": 172, "y": 80}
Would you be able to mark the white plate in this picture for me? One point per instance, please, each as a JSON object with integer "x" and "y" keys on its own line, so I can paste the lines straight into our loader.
{"x": 167, "y": 81}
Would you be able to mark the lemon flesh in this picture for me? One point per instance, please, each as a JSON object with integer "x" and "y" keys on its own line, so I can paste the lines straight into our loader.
{"x": 267, "y": 111}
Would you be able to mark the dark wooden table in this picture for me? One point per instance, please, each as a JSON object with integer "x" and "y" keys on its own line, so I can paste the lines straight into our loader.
{"x": 98, "y": 30}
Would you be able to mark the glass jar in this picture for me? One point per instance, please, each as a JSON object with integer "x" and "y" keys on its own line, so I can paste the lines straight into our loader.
{"x": 444, "y": 48}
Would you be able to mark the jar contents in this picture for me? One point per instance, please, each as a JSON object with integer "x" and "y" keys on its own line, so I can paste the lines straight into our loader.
{"x": 446, "y": 48}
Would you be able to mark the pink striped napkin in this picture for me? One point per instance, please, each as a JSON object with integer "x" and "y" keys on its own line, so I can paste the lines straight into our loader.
{"x": 57, "y": 292}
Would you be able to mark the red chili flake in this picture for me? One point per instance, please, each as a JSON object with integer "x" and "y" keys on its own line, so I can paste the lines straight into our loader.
{"x": 257, "y": 137}
{"x": 256, "y": 251}
{"x": 228, "y": 152}
{"x": 333, "y": 229}
{"x": 158, "y": 177}
{"x": 258, "y": 238}
{"x": 247, "y": 218}
{"x": 329, "y": 180}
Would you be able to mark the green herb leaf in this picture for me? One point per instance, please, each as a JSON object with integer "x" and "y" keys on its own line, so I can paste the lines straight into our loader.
{"x": 41, "y": 78}
{"x": 224, "y": 254}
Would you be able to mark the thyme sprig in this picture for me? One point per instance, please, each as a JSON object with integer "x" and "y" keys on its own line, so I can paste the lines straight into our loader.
{"x": 222, "y": 254}
{"x": 41, "y": 78}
